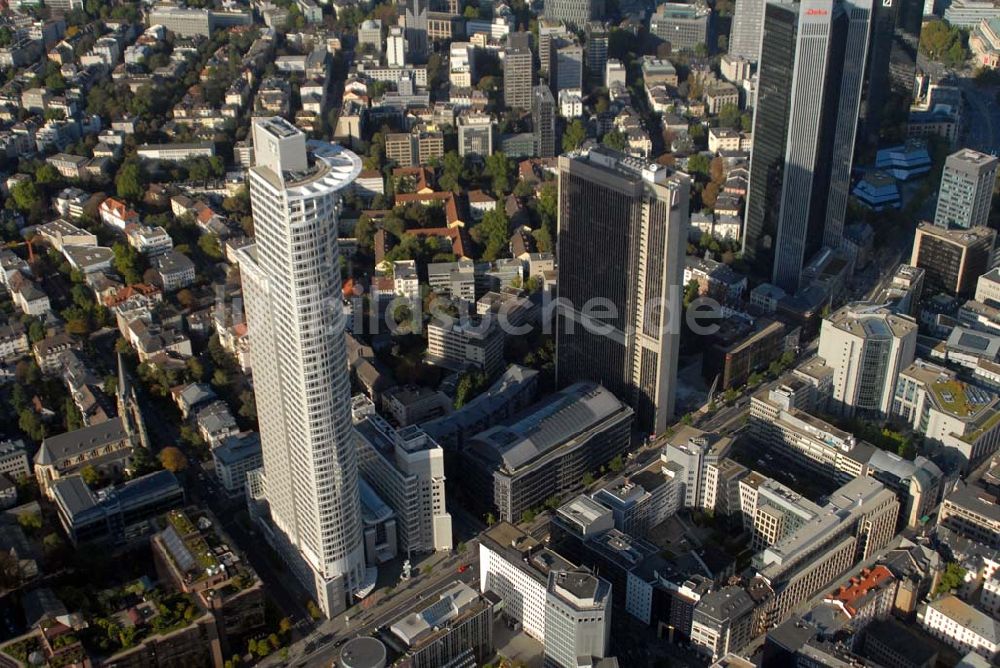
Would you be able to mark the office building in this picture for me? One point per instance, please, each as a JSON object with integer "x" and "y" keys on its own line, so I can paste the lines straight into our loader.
{"x": 292, "y": 288}
{"x": 575, "y": 13}
{"x": 684, "y": 26}
{"x": 475, "y": 135}
{"x": 723, "y": 622}
{"x": 370, "y": 34}
{"x": 192, "y": 22}
{"x": 694, "y": 451}
{"x": 546, "y": 450}
{"x": 415, "y": 20}
{"x": 234, "y": 458}
{"x": 516, "y": 567}
{"x": 772, "y": 511}
{"x": 512, "y": 392}
{"x": 892, "y": 62}
{"x": 396, "y": 48}
{"x": 953, "y": 260}
{"x": 518, "y": 79}
{"x": 569, "y": 68}
{"x": 866, "y": 346}
{"x": 642, "y": 500}
{"x": 117, "y": 513}
{"x": 457, "y": 345}
{"x": 406, "y": 468}
{"x": 543, "y": 119}
{"x": 802, "y": 58}
{"x": 956, "y": 623}
{"x": 622, "y": 238}
{"x": 858, "y": 15}
{"x": 550, "y": 35}
{"x": 857, "y": 521}
{"x": 455, "y": 629}
{"x": 988, "y": 288}
{"x": 577, "y": 618}
{"x": 973, "y": 513}
{"x": 747, "y": 28}
{"x": 966, "y": 191}
{"x": 596, "y": 51}
{"x": 948, "y": 412}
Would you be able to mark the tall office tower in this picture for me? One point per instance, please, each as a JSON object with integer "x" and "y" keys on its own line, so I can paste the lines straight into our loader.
{"x": 801, "y": 59}
{"x": 577, "y": 618}
{"x": 597, "y": 51}
{"x": 866, "y": 346}
{"x": 291, "y": 282}
{"x": 892, "y": 62}
{"x": 543, "y": 120}
{"x": 395, "y": 47}
{"x": 575, "y": 13}
{"x": 859, "y": 21}
{"x": 966, "y": 191}
{"x": 621, "y": 241}
{"x": 517, "y": 74}
{"x": 748, "y": 27}
{"x": 549, "y": 34}
{"x": 415, "y": 19}
{"x": 569, "y": 68}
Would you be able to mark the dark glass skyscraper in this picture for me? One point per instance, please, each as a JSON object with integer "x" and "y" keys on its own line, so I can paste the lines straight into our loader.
{"x": 810, "y": 75}
{"x": 621, "y": 264}
{"x": 892, "y": 60}
{"x": 770, "y": 134}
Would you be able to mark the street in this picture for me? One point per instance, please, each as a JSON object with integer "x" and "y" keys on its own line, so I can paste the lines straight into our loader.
{"x": 322, "y": 646}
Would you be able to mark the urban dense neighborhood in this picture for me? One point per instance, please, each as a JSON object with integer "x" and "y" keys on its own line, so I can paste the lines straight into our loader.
{"x": 456, "y": 334}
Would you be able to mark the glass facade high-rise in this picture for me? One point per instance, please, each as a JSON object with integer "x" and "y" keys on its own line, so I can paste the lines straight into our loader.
{"x": 892, "y": 62}
{"x": 809, "y": 80}
{"x": 622, "y": 241}
{"x": 292, "y": 288}
{"x": 748, "y": 26}
{"x": 770, "y": 134}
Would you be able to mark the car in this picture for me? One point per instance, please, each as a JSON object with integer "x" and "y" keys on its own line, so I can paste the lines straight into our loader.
{"x": 463, "y": 568}
{"x": 340, "y": 642}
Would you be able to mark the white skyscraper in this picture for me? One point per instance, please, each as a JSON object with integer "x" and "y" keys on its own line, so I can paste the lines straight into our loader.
{"x": 291, "y": 282}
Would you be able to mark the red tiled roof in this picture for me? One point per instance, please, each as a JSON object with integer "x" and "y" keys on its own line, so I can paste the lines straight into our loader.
{"x": 850, "y": 595}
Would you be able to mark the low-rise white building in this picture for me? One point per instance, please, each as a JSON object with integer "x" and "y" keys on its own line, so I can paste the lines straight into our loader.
{"x": 960, "y": 625}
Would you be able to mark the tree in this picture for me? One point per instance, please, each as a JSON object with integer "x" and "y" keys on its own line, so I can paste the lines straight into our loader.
{"x": 616, "y": 464}
{"x": 127, "y": 262}
{"x": 173, "y": 459}
{"x": 26, "y": 196}
{"x": 615, "y": 140}
{"x": 490, "y": 519}
{"x": 588, "y": 479}
{"x": 698, "y": 164}
{"x": 90, "y": 475}
{"x": 494, "y": 233}
{"x": 528, "y": 516}
{"x": 209, "y": 245}
{"x": 128, "y": 182}
{"x": 500, "y": 170}
{"x": 453, "y": 172}
{"x": 30, "y": 522}
{"x": 285, "y": 625}
{"x": 46, "y": 173}
{"x": 575, "y": 135}
{"x": 729, "y": 116}
{"x": 952, "y": 578}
